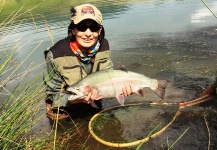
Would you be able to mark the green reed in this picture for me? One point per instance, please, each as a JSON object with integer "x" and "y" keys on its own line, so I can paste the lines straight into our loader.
{"x": 19, "y": 114}
{"x": 209, "y": 8}
{"x": 22, "y": 108}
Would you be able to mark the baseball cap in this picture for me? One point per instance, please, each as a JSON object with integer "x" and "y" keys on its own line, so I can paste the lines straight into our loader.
{"x": 86, "y": 11}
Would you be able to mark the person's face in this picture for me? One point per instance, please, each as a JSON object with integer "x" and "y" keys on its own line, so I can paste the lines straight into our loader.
{"x": 86, "y": 33}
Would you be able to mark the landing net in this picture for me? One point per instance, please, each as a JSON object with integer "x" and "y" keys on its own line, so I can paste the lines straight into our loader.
{"x": 130, "y": 125}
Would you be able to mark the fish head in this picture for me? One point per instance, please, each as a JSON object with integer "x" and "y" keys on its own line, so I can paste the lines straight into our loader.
{"x": 76, "y": 93}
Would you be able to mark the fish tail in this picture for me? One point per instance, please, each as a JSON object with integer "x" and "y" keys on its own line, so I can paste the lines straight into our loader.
{"x": 160, "y": 91}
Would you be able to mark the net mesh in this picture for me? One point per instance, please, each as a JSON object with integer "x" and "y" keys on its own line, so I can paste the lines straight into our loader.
{"x": 133, "y": 122}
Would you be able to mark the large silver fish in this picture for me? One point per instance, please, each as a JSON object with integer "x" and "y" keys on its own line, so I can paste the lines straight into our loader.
{"x": 109, "y": 83}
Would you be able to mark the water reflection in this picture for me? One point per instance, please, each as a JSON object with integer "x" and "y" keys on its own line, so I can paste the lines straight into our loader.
{"x": 123, "y": 20}
{"x": 200, "y": 14}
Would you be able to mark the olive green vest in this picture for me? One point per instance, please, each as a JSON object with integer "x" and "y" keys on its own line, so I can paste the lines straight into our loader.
{"x": 72, "y": 71}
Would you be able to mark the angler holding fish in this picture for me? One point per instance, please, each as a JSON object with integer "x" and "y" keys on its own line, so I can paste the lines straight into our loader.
{"x": 84, "y": 51}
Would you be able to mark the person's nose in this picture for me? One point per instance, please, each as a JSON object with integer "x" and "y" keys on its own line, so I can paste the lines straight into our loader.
{"x": 88, "y": 32}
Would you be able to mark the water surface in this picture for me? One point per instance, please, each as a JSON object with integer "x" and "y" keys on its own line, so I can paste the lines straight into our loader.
{"x": 170, "y": 39}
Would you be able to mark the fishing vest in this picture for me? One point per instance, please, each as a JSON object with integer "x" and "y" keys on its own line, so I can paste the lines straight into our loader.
{"x": 68, "y": 65}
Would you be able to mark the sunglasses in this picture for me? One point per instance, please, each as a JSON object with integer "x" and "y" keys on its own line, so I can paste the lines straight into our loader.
{"x": 83, "y": 27}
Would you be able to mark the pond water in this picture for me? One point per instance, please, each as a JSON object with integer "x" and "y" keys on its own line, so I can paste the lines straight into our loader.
{"x": 170, "y": 39}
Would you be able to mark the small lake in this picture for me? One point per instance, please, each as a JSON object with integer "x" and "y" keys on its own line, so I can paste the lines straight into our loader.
{"x": 170, "y": 39}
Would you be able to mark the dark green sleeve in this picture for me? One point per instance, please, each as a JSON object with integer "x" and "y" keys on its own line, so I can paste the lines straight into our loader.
{"x": 54, "y": 83}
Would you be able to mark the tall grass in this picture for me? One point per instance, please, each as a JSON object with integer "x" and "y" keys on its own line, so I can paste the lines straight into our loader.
{"x": 19, "y": 113}
{"x": 22, "y": 106}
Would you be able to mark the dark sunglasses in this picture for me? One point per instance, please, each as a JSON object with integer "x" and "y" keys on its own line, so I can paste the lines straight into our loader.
{"x": 83, "y": 27}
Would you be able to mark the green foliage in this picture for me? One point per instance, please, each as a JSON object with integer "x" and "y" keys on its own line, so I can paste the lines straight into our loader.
{"x": 19, "y": 114}
{"x": 21, "y": 105}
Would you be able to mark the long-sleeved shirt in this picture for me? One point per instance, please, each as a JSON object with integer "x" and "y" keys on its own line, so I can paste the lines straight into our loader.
{"x": 64, "y": 68}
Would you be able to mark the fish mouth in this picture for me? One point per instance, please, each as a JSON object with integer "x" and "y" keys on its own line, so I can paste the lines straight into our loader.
{"x": 75, "y": 94}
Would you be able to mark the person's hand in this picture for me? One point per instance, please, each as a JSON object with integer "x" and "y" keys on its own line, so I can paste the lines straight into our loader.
{"x": 208, "y": 91}
{"x": 128, "y": 90}
{"x": 52, "y": 115}
{"x": 92, "y": 94}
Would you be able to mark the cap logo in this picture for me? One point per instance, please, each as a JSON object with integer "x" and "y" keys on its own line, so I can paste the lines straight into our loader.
{"x": 87, "y": 10}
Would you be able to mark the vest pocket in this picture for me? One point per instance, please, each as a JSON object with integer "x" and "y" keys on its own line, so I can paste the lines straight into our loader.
{"x": 103, "y": 64}
{"x": 71, "y": 74}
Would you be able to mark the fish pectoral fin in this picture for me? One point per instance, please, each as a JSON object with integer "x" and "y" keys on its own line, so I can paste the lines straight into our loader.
{"x": 139, "y": 92}
{"x": 120, "y": 99}
{"x": 92, "y": 103}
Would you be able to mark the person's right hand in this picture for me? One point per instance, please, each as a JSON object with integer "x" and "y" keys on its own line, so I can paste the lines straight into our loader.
{"x": 52, "y": 115}
{"x": 128, "y": 90}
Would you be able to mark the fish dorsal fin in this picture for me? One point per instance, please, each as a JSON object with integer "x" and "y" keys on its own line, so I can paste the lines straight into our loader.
{"x": 120, "y": 67}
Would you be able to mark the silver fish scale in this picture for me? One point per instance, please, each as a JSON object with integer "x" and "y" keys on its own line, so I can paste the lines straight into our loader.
{"x": 109, "y": 83}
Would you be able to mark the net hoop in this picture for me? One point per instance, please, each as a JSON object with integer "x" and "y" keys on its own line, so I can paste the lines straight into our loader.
{"x": 145, "y": 139}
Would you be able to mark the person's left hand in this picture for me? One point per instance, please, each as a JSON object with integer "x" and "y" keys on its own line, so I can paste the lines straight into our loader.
{"x": 128, "y": 90}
